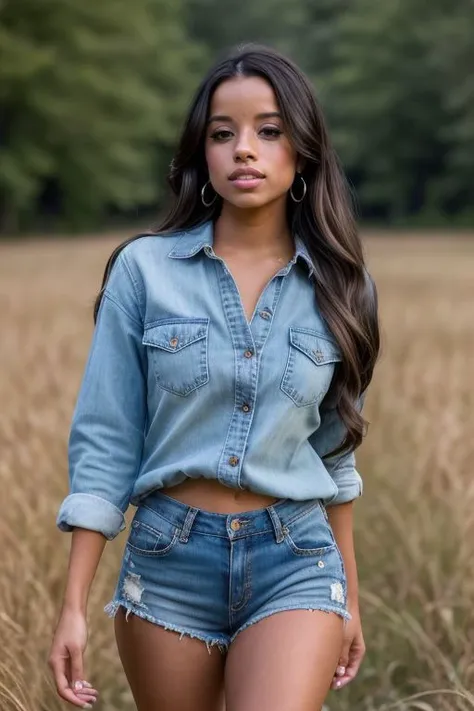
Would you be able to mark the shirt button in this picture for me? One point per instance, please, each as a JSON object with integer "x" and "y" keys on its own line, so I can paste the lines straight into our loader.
{"x": 265, "y": 314}
{"x": 174, "y": 342}
{"x": 233, "y": 461}
{"x": 246, "y": 408}
{"x": 248, "y": 354}
{"x": 235, "y": 525}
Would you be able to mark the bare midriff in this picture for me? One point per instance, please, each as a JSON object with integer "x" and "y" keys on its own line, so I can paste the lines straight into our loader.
{"x": 211, "y": 495}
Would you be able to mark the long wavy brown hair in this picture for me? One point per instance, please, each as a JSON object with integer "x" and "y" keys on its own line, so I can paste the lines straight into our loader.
{"x": 344, "y": 290}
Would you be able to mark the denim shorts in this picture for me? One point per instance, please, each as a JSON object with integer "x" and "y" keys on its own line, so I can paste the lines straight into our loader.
{"x": 210, "y": 575}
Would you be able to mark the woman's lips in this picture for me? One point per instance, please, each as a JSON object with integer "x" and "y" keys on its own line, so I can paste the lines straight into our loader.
{"x": 246, "y": 178}
{"x": 247, "y": 182}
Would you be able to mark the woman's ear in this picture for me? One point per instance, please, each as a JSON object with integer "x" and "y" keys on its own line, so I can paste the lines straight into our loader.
{"x": 300, "y": 164}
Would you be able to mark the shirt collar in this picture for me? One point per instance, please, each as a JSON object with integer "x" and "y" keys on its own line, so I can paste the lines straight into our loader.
{"x": 301, "y": 251}
{"x": 194, "y": 240}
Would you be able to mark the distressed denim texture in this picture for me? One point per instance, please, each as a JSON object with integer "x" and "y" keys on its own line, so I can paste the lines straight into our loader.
{"x": 249, "y": 566}
{"x": 179, "y": 384}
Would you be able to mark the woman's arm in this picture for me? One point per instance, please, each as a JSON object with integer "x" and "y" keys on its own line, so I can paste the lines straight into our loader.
{"x": 341, "y": 520}
{"x": 342, "y": 469}
{"x": 86, "y": 551}
{"x": 353, "y": 649}
{"x": 70, "y": 639}
{"x": 105, "y": 447}
{"x": 109, "y": 420}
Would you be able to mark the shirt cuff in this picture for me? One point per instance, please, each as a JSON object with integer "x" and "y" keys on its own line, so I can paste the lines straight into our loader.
{"x": 349, "y": 487}
{"x": 91, "y": 512}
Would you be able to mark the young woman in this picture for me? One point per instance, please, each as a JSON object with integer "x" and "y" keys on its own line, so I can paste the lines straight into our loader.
{"x": 222, "y": 397}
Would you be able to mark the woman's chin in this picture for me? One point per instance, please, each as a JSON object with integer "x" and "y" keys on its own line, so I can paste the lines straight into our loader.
{"x": 247, "y": 200}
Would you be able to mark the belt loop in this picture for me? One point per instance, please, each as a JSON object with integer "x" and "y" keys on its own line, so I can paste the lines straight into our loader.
{"x": 188, "y": 524}
{"x": 279, "y": 529}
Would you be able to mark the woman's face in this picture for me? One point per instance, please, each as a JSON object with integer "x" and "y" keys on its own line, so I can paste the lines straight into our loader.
{"x": 250, "y": 159}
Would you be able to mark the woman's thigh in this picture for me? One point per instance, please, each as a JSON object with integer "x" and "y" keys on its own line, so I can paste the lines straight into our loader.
{"x": 167, "y": 672}
{"x": 285, "y": 661}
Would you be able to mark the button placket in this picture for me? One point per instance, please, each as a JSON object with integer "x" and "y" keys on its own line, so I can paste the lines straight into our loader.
{"x": 230, "y": 463}
{"x": 248, "y": 341}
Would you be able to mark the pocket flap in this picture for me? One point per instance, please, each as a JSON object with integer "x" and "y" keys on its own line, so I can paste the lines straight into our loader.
{"x": 320, "y": 348}
{"x": 173, "y": 335}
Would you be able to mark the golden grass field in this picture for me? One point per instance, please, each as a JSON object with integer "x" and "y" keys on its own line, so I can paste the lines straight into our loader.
{"x": 415, "y": 522}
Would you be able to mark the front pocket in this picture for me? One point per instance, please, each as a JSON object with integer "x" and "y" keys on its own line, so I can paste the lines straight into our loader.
{"x": 310, "y": 366}
{"x": 310, "y": 534}
{"x": 148, "y": 540}
{"x": 178, "y": 353}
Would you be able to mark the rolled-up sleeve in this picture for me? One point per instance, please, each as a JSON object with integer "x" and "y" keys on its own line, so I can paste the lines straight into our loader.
{"x": 341, "y": 467}
{"x": 108, "y": 424}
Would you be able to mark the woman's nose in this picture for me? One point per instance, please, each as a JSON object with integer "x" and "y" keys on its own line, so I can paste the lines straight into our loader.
{"x": 244, "y": 148}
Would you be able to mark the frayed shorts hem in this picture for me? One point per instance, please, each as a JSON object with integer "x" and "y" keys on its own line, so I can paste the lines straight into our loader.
{"x": 319, "y": 608}
{"x": 223, "y": 644}
{"x": 112, "y": 608}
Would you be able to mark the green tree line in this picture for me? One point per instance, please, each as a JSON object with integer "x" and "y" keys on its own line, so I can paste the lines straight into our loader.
{"x": 92, "y": 95}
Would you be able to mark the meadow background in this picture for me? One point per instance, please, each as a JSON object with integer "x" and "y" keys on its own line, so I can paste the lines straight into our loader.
{"x": 415, "y": 523}
{"x": 92, "y": 96}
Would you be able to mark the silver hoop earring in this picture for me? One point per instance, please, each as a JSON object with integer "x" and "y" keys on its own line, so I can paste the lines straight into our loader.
{"x": 207, "y": 204}
{"x": 304, "y": 190}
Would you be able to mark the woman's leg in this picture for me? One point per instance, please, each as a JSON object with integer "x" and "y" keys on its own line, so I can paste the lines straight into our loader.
{"x": 166, "y": 672}
{"x": 285, "y": 661}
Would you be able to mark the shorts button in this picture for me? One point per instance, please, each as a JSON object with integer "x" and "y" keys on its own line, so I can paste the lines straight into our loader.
{"x": 233, "y": 461}
{"x": 320, "y": 564}
{"x": 235, "y": 525}
{"x": 246, "y": 408}
{"x": 173, "y": 342}
{"x": 248, "y": 354}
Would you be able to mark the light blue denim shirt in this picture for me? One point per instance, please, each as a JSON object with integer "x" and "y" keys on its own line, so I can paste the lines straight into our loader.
{"x": 179, "y": 384}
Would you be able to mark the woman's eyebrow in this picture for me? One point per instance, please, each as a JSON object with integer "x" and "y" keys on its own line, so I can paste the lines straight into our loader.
{"x": 218, "y": 117}
{"x": 228, "y": 119}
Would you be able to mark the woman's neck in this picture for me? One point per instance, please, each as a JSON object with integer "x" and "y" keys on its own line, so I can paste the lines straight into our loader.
{"x": 259, "y": 233}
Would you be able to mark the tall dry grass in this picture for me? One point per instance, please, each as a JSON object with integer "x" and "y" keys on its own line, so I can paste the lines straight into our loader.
{"x": 415, "y": 523}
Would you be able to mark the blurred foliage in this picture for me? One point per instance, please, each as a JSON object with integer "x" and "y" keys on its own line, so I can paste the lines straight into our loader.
{"x": 92, "y": 95}
{"x": 400, "y": 102}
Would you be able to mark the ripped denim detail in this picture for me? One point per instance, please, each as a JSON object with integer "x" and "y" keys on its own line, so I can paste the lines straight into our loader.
{"x": 139, "y": 610}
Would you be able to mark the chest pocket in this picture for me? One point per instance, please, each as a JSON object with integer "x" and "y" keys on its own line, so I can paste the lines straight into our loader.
{"x": 178, "y": 354}
{"x": 310, "y": 366}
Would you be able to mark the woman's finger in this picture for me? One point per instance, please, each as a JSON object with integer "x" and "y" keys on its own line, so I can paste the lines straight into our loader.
{"x": 88, "y": 701}
{"x": 87, "y": 692}
{"x": 355, "y": 660}
{"x": 77, "y": 668}
{"x": 340, "y": 672}
{"x": 58, "y": 666}
{"x": 87, "y": 695}
{"x": 356, "y": 654}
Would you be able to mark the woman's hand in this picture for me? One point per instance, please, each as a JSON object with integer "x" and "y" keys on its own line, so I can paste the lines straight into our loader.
{"x": 66, "y": 660}
{"x": 353, "y": 650}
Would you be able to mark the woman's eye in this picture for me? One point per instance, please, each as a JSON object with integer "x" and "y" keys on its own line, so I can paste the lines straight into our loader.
{"x": 271, "y": 132}
{"x": 221, "y": 135}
